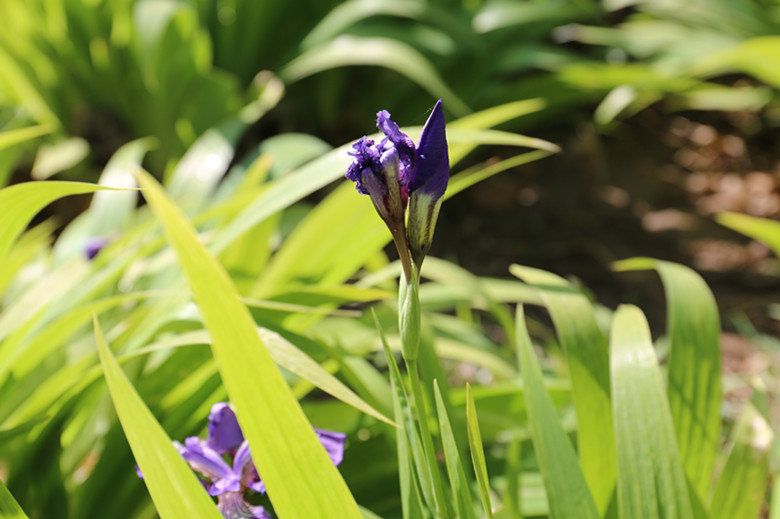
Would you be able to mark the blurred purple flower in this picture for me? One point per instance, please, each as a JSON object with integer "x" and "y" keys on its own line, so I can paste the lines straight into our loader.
{"x": 94, "y": 245}
{"x": 394, "y": 173}
{"x": 225, "y": 463}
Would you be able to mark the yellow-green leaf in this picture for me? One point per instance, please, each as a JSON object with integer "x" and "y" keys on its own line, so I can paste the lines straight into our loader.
{"x": 175, "y": 490}
{"x": 300, "y": 477}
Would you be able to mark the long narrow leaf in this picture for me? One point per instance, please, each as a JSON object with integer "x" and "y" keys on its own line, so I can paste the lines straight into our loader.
{"x": 9, "y": 508}
{"x": 409, "y": 458}
{"x": 587, "y": 355}
{"x": 175, "y": 490}
{"x": 694, "y": 366}
{"x": 300, "y": 477}
{"x": 478, "y": 453}
{"x": 464, "y": 507}
{"x": 567, "y": 491}
{"x": 288, "y": 356}
{"x": 651, "y": 480}
{"x": 21, "y": 202}
{"x": 761, "y": 229}
{"x": 739, "y": 493}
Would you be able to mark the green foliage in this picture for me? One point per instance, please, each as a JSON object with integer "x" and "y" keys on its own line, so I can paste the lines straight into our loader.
{"x": 229, "y": 284}
{"x": 175, "y": 490}
{"x": 50, "y": 392}
{"x": 651, "y": 481}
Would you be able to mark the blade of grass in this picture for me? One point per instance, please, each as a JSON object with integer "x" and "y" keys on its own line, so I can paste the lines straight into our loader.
{"x": 587, "y": 355}
{"x": 9, "y": 508}
{"x": 302, "y": 481}
{"x": 286, "y": 355}
{"x": 694, "y": 366}
{"x": 651, "y": 479}
{"x": 464, "y": 507}
{"x": 175, "y": 490}
{"x": 409, "y": 458}
{"x": 477, "y": 453}
{"x": 21, "y": 202}
{"x": 740, "y": 490}
{"x": 761, "y": 229}
{"x": 567, "y": 491}
{"x": 13, "y": 137}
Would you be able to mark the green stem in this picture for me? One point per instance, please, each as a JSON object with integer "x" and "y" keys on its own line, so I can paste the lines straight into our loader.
{"x": 399, "y": 238}
{"x": 418, "y": 403}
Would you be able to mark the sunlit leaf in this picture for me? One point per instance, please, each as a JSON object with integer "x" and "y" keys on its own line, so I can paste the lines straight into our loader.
{"x": 174, "y": 488}
{"x": 694, "y": 367}
{"x": 651, "y": 479}
{"x": 9, "y": 508}
{"x": 588, "y": 358}
{"x": 21, "y": 202}
{"x": 300, "y": 477}
{"x": 567, "y": 492}
{"x": 739, "y": 493}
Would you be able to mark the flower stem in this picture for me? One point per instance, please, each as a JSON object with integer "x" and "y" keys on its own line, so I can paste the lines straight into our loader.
{"x": 399, "y": 238}
{"x": 418, "y": 403}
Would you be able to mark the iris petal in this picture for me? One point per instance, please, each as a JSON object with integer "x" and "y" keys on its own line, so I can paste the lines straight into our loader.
{"x": 433, "y": 162}
{"x": 203, "y": 459}
{"x": 333, "y": 443}
{"x": 402, "y": 142}
{"x": 224, "y": 432}
{"x": 233, "y": 506}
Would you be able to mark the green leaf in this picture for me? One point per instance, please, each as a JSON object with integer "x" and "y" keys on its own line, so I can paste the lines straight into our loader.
{"x": 464, "y": 507}
{"x": 694, "y": 366}
{"x": 383, "y": 52}
{"x": 477, "y": 453}
{"x": 409, "y": 448}
{"x": 9, "y": 508}
{"x": 567, "y": 492}
{"x": 174, "y": 488}
{"x": 301, "y": 479}
{"x": 13, "y": 137}
{"x": 739, "y": 493}
{"x": 588, "y": 358}
{"x": 651, "y": 479}
{"x": 289, "y": 357}
{"x": 761, "y": 229}
{"x": 21, "y": 202}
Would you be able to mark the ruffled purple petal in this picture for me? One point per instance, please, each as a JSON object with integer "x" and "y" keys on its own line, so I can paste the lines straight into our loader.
{"x": 365, "y": 165}
{"x": 402, "y": 142}
{"x": 433, "y": 163}
{"x": 333, "y": 443}
{"x": 224, "y": 432}
{"x": 204, "y": 460}
{"x": 233, "y": 506}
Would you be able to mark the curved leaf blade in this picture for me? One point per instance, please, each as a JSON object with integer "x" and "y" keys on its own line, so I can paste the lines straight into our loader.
{"x": 567, "y": 491}
{"x": 300, "y": 477}
{"x": 694, "y": 366}
{"x": 761, "y": 229}
{"x": 651, "y": 479}
{"x": 383, "y": 52}
{"x": 9, "y": 508}
{"x": 175, "y": 490}
{"x": 740, "y": 490}
{"x": 21, "y": 202}
{"x": 587, "y": 355}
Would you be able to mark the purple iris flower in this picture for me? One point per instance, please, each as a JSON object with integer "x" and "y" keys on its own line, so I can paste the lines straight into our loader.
{"x": 225, "y": 463}
{"x": 395, "y": 174}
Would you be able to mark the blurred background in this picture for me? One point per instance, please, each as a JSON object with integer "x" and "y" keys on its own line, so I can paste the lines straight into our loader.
{"x": 666, "y": 111}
